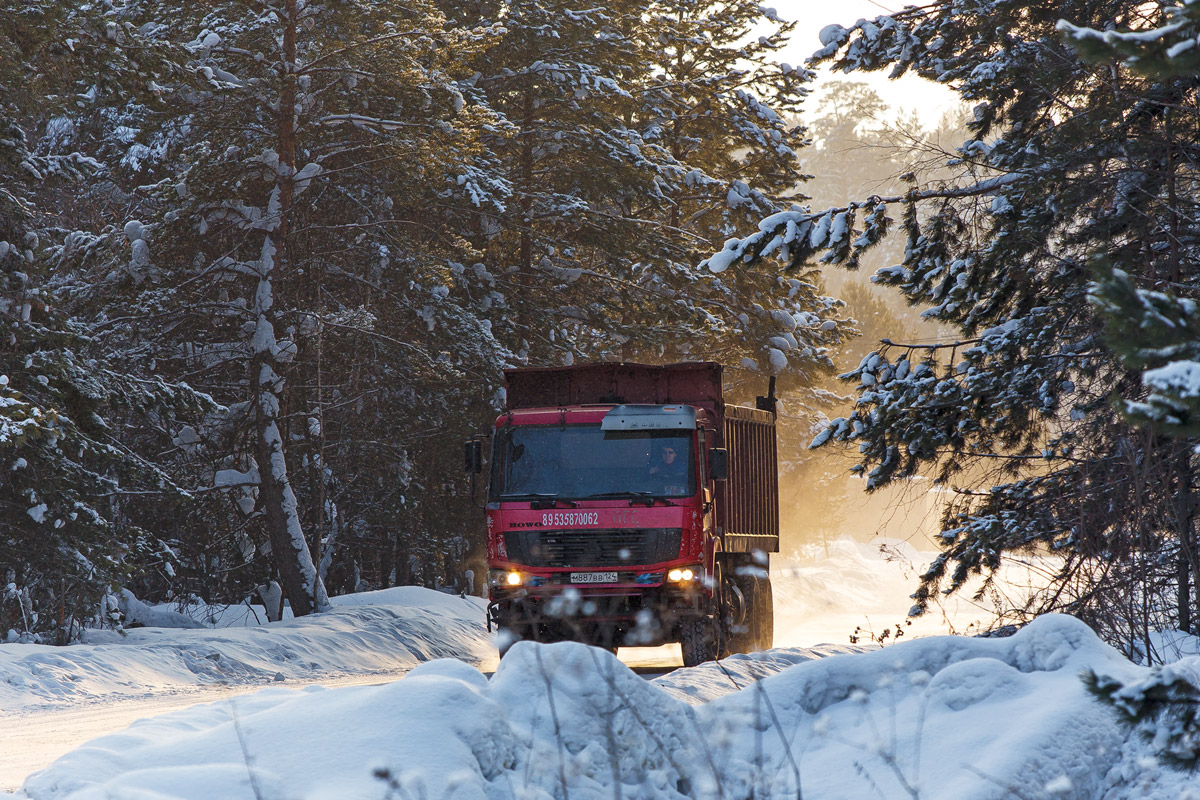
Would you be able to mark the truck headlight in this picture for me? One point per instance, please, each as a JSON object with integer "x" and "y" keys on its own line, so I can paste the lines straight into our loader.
{"x": 504, "y": 577}
{"x": 682, "y": 574}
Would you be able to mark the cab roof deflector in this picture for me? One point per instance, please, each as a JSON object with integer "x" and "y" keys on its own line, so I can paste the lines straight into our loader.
{"x": 647, "y": 417}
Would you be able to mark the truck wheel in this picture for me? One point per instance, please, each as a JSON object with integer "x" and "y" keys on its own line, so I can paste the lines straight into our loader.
{"x": 739, "y": 612}
{"x": 699, "y": 641}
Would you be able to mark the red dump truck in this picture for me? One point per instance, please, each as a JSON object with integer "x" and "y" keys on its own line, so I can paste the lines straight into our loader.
{"x": 629, "y": 504}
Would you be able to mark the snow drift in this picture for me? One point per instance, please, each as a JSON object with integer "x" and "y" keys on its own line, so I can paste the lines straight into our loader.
{"x": 381, "y": 632}
{"x": 942, "y": 717}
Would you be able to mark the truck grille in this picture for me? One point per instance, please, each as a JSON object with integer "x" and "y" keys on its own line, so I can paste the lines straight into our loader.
{"x": 593, "y": 548}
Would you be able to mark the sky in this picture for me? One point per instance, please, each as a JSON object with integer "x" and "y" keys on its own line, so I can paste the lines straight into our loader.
{"x": 910, "y": 92}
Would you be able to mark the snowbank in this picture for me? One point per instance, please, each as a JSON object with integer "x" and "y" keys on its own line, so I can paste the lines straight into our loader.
{"x": 942, "y": 717}
{"x": 380, "y": 632}
{"x": 715, "y": 679}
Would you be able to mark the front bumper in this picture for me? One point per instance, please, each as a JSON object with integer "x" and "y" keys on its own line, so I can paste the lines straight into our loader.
{"x": 649, "y": 615}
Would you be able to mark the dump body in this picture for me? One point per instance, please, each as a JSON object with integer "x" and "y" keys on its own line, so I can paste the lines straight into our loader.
{"x": 748, "y": 503}
{"x": 608, "y": 517}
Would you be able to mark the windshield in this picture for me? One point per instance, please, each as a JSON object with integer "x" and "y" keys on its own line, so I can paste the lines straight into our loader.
{"x": 581, "y": 462}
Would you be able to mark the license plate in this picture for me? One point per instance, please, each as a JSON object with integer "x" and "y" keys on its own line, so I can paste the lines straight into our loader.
{"x": 593, "y": 577}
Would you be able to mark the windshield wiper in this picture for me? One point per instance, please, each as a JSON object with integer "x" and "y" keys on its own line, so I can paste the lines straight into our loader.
{"x": 634, "y": 497}
{"x": 540, "y": 499}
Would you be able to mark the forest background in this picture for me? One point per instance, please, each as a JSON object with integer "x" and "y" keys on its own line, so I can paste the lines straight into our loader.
{"x": 263, "y": 263}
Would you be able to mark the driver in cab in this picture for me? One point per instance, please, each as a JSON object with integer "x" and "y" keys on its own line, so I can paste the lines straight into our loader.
{"x": 669, "y": 470}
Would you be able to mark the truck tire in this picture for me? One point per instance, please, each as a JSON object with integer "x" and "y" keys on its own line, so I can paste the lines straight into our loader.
{"x": 757, "y": 629}
{"x": 699, "y": 641}
{"x": 755, "y": 606}
{"x": 740, "y": 632}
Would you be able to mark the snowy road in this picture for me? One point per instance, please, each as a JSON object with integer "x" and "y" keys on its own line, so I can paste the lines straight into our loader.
{"x": 54, "y": 699}
{"x": 32, "y": 741}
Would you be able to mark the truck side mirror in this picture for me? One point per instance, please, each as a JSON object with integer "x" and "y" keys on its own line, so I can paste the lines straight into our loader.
{"x": 718, "y": 464}
{"x": 473, "y": 456}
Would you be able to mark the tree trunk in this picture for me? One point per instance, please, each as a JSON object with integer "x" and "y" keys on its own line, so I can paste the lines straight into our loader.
{"x": 401, "y": 566}
{"x": 330, "y": 545}
{"x": 1189, "y": 569}
{"x": 387, "y": 562}
{"x": 286, "y": 138}
{"x": 1185, "y": 593}
{"x": 526, "y": 183}
{"x": 289, "y": 547}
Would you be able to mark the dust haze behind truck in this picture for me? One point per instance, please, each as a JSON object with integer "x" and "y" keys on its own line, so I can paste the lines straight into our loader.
{"x": 630, "y": 504}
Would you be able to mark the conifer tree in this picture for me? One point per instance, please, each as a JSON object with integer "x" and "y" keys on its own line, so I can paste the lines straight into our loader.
{"x": 563, "y": 249}
{"x": 722, "y": 106}
{"x": 1163, "y": 707}
{"x": 290, "y": 250}
{"x": 641, "y": 134}
{"x": 338, "y": 220}
{"x": 1065, "y": 159}
{"x": 1158, "y": 334}
{"x": 64, "y": 538}
{"x": 1155, "y": 327}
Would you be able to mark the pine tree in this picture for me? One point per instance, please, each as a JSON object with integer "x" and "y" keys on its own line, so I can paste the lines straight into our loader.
{"x": 639, "y": 138}
{"x": 1154, "y": 329}
{"x": 1163, "y": 708}
{"x": 722, "y": 106}
{"x": 564, "y": 249}
{"x": 1066, "y": 159}
{"x": 65, "y": 538}
{"x": 1158, "y": 334}
{"x": 289, "y": 249}
{"x": 337, "y": 221}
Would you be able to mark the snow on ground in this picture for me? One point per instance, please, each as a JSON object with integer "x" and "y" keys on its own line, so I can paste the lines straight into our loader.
{"x": 939, "y": 717}
{"x": 382, "y": 633}
{"x": 715, "y": 679}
